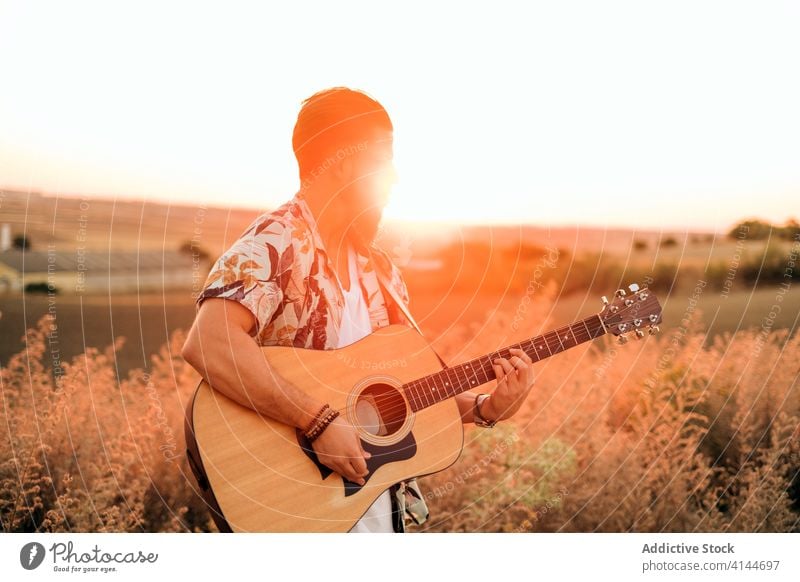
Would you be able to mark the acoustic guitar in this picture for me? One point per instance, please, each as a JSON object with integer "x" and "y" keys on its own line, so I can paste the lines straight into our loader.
{"x": 260, "y": 475}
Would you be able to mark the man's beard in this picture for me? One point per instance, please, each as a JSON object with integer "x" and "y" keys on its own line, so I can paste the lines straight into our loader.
{"x": 364, "y": 227}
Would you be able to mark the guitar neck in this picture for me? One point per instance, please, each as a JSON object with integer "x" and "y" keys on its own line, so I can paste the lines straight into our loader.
{"x": 434, "y": 388}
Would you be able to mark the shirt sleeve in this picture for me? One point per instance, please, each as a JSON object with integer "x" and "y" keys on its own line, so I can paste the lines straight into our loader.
{"x": 251, "y": 270}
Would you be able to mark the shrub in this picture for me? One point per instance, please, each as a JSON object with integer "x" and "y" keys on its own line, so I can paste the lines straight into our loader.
{"x": 41, "y": 287}
{"x": 669, "y": 242}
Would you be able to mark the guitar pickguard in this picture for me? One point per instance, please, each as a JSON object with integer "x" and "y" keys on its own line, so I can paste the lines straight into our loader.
{"x": 402, "y": 450}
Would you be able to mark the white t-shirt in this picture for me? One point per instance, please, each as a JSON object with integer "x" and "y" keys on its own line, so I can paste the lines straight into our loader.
{"x": 355, "y": 325}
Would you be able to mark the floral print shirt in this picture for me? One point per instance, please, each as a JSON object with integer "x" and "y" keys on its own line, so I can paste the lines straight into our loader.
{"x": 279, "y": 270}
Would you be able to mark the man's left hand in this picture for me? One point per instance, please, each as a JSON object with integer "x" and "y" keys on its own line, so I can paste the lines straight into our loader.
{"x": 514, "y": 383}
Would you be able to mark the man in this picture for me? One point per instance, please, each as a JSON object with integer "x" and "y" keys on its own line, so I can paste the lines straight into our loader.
{"x": 307, "y": 275}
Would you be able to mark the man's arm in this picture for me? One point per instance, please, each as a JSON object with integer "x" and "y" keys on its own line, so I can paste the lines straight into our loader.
{"x": 466, "y": 403}
{"x": 220, "y": 348}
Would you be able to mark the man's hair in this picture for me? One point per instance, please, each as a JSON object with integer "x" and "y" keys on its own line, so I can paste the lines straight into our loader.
{"x": 334, "y": 119}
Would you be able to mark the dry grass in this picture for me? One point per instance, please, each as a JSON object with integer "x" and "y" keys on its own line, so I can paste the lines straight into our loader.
{"x": 662, "y": 435}
{"x": 659, "y": 436}
{"x": 84, "y": 451}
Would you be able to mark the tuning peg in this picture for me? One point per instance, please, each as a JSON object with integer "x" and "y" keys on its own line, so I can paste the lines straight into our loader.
{"x": 639, "y": 333}
{"x": 604, "y": 300}
{"x": 654, "y": 329}
{"x": 623, "y": 339}
{"x": 633, "y": 287}
{"x": 620, "y": 293}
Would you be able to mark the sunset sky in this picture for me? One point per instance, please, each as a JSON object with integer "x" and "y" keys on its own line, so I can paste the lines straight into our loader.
{"x": 651, "y": 115}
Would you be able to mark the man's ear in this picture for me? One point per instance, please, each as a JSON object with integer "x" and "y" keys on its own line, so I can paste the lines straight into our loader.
{"x": 344, "y": 170}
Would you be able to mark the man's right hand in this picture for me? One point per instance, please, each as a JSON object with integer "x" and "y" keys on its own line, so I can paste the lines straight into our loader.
{"x": 339, "y": 448}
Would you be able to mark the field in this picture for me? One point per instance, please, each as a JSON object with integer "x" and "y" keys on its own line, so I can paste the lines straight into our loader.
{"x": 697, "y": 429}
{"x": 147, "y": 321}
{"x": 686, "y": 432}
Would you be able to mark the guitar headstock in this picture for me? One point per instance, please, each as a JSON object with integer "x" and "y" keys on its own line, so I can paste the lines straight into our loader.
{"x": 631, "y": 311}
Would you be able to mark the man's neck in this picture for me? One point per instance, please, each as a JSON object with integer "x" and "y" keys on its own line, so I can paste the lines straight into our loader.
{"x": 332, "y": 225}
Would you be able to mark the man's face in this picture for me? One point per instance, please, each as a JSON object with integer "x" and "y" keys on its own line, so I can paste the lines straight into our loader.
{"x": 373, "y": 176}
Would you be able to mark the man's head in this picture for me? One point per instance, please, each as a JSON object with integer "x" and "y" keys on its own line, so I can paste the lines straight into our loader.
{"x": 343, "y": 144}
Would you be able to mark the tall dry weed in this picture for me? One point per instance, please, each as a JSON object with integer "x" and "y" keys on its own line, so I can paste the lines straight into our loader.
{"x": 83, "y": 450}
{"x": 672, "y": 433}
{"x": 659, "y": 435}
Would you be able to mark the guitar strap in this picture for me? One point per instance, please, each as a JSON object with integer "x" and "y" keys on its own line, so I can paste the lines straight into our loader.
{"x": 389, "y": 292}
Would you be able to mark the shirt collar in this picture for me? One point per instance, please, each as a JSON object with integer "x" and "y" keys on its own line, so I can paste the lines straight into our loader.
{"x": 305, "y": 212}
{"x": 301, "y": 203}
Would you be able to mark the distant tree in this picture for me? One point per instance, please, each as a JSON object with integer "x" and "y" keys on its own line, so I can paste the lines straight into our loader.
{"x": 670, "y": 241}
{"x": 639, "y": 245}
{"x": 791, "y": 231}
{"x": 753, "y": 229}
{"x": 21, "y": 242}
{"x": 189, "y": 248}
{"x": 761, "y": 230}
{"x": 41, "y": 287}
{"x": 768, "y": 266}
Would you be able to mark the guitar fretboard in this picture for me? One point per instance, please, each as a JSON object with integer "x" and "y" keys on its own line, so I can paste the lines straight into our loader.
{"x": 434, "y": 388}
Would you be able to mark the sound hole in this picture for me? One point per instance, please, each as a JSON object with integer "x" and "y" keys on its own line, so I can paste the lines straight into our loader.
{"x": 380, "y": 410}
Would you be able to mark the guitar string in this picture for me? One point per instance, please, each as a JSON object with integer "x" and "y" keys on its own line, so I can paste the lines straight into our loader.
{"x": 464, "y": 379}
{"x": 412, "y": 399}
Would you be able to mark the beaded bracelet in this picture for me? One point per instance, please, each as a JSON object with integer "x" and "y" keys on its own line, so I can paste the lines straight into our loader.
{"x": 322, "y": 425}
{"x": 316, "y": 418}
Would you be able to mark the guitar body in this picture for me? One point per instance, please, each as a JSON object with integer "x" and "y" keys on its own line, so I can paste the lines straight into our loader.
{"x": 264, "y": 474}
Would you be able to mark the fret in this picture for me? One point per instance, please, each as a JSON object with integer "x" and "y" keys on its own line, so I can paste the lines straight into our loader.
{"x": 431, "y": 388}
{"x": 572, "y": 331}
{"x": 486, "y": 368}
{"x": 598, "y": 328}
{"x": 547, "y": 343}
{"x": 588, "y": 331}
{"x": 406, "y": 390}
{"x": 436, "y": 390}
{"x": 439, "y": 388}
{"x": 421, "y": 391}
{"x": 531, "y": 351}
{"x": 469, "y": 374}
{"x": 460, "y": 379}
{"x": 447, "y": 385}
{"x": 449, "y": 382}
{"x": 560, "y": 343}
{"x": 569, "y": 343}
{"x": 409, "y": 390}
{"x": 452, "y": 380}
{"x": 542, "y": 341}
{"x": 428, "y": 391}
{"x": 409, "y": 395}
{"x": 418, "y": 395}
{"x": 490, "y": 358}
